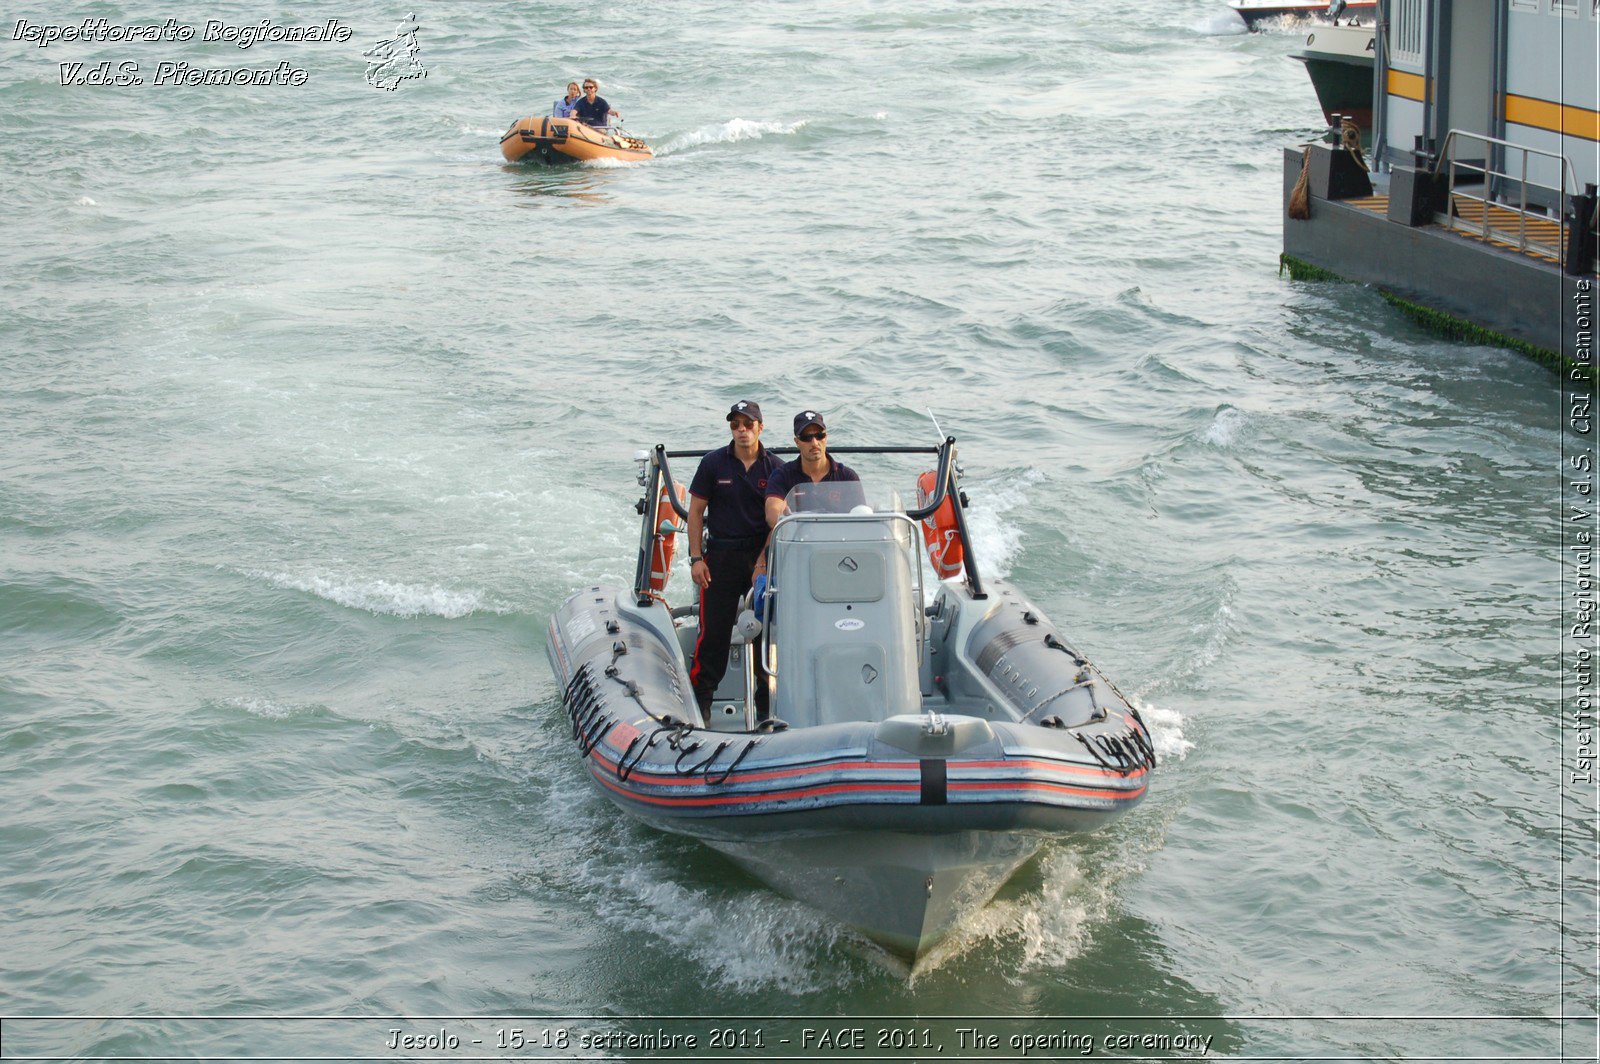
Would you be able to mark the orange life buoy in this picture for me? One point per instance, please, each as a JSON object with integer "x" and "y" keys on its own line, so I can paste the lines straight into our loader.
{"x": 664, "y": 544}
{"x": 939, "y": 532}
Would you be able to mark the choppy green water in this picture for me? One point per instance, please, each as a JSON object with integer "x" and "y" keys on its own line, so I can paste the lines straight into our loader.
{"x": 313, "y": 410}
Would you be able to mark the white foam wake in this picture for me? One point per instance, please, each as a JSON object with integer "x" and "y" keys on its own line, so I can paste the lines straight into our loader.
{"x": 729, "y": 132}
{"x": 265, "y": 708}
{"x": 603, "y": 163}
{"x": 1225, "y": 427}
{"x": 1219, "y": 24}
{"x": 1045, "y": 927}
{"x": 1166, "y": 730}
{"x": 996, "y": 540}
{"x": 386, "y": 597}
{"x": 755, "y": 941}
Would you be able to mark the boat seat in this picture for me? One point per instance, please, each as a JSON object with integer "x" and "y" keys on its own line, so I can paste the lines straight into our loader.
{"x": 845, "y": 622}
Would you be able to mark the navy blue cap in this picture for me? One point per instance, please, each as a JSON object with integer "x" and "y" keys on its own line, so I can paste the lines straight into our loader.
{"x": 805, "y": 419}
{"x": 745, "y": 408}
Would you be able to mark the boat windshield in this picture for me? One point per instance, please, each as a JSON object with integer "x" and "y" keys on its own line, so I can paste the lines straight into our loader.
{"x": 842, "y": 497}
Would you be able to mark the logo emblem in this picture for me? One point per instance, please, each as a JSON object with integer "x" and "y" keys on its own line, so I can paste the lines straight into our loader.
{"x": 849, "y": 624}
{"x": 393, "y": 61}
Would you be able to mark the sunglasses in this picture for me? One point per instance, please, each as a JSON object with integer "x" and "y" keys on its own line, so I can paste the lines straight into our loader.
{"x": 813, "y": 437}
{"x": 742, "y": 423}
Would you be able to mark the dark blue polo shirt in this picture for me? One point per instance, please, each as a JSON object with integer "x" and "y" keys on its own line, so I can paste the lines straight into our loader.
{"x": 814, "y": 496}
{"x": 736, "y": 498}
{"x": 593, "y": 114}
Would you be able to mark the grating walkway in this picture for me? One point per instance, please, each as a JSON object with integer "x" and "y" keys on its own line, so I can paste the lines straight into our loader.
{"x": 1505, "y": 228}
{"x": 1538, "y": 238}
{"x": 1375, "y": 204}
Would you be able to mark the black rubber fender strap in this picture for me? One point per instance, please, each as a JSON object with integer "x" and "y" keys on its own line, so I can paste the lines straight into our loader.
{"x": 677, "y": 766}
{"x": 723, "y": 776}
{"x": 624, "y": 766}
{"x": 935, "y": 781}
{"x": 1090, "y": 747}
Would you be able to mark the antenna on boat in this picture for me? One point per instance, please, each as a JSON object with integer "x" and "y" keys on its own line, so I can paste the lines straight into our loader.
{"x": 942, "y": 436}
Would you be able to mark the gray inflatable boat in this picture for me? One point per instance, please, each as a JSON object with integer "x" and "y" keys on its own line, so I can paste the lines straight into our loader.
{"x": 925, "y": 736}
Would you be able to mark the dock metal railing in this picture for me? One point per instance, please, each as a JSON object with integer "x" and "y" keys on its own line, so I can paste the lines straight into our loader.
{"x": 1525, "y": 230}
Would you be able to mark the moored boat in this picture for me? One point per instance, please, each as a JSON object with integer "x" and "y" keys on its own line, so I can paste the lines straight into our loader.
{"x": 555, "y": 141}
{"x": 1340, "y": 60}
{"x": 915, "y": 754}
{"x": 1256, "y": 12}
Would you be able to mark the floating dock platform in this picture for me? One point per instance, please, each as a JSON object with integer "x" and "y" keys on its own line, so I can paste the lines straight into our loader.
{"x": 1463, "y": 267}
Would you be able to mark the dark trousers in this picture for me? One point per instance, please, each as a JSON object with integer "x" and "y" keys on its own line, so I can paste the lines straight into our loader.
{"x": 731, "y": 574}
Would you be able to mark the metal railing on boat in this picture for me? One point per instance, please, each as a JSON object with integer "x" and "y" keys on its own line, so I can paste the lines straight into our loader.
{"x": 1477, "y": 194}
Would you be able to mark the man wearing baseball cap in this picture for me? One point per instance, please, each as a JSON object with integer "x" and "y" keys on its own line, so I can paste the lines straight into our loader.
{"x": 812, "y": 467}
{"x": 727, "y": 532}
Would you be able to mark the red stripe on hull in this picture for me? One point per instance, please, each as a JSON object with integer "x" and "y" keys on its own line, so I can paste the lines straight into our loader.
{"x": 661, "y": 779}
{"x": 597, "y": 770}
{"x": 748, "y": 799}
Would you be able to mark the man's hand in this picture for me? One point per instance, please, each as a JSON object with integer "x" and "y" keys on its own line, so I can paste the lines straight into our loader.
{"x": 700, "y": 572}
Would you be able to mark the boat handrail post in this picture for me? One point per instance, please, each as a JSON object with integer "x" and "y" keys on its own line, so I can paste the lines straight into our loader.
{"x": 941, "y": 482}
{"x": 672, "y": 486}
{"x": 769, "y": 614}
{"x": 945, "y": 485}
{"x": 957, "y": 503}
{"x": 650, "y": 471}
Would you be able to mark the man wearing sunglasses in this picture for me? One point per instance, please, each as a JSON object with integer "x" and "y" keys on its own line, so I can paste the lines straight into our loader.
{"x": 726, "y": 514}
{"x": 592, "y": 110}
{"x": 811, "y": 470}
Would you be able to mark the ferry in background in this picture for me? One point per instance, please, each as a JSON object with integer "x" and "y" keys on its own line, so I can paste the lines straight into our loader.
{"x": 1256, "y": 12}
{"x": 1478, "y": 212}
{"x": 1339, "y": 59}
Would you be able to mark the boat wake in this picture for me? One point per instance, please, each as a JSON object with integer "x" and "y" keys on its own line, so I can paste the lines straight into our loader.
{"x": 1219, "y": 24}
{"x": 1041, "y": 928}
{"x": 1054, "y": 922}
{"x": 997, "y": 542}
{"x": 730, "y": 132}
{"x": 384, "y": 596}
{"x": 762, "y": 942}
{"x": 268, "y": 709}
{"x": 735, "y": 936}
{"x": 1166, "y": 730}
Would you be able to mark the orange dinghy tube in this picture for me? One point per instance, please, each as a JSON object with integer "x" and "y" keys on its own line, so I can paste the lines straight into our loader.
{"x": 664, "y": 544}
{"x": 553, "y": 141}
{"x": 939, "y": 531}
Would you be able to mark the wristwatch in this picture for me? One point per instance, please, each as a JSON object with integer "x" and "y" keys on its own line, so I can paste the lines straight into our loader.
{"x": 696, "y": 558}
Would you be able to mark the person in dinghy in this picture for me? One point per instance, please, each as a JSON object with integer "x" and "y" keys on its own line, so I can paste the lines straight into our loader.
{"x": 592, "y": 110}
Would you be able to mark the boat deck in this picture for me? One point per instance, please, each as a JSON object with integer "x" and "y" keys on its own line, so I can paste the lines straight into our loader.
{"x": 1488, "y": 289}
{"x": 1489, "y": 224}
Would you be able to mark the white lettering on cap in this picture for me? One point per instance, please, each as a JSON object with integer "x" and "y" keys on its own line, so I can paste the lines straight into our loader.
{"x": 811, "y": 413}
{"x": 743, "y": 405}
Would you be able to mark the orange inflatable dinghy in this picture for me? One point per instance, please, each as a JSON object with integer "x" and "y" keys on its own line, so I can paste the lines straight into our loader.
{"x": 565, "y": 140}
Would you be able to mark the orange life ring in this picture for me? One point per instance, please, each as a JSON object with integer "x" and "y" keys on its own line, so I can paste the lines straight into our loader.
{"x": 939, "y": 532}
{"x": 664, "y": 544}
